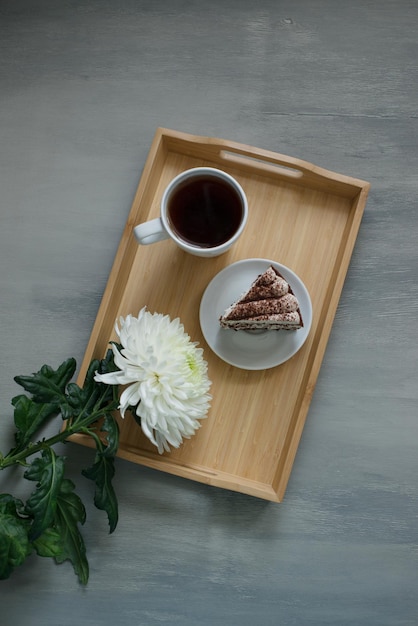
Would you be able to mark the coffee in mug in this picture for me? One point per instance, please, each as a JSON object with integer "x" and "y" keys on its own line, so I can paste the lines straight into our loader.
{"x": 204, "y": 210}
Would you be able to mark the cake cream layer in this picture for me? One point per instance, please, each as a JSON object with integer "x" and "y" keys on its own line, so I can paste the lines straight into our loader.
{"x": 288, "y": 321}
{"x": 267, "y": 307}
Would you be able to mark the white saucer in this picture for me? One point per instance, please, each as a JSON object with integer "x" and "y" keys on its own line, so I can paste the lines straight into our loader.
{"x": 243, "y": 349}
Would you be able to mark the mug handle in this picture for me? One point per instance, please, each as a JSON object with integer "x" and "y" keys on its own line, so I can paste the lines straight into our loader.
{"x": 150, "y": 232}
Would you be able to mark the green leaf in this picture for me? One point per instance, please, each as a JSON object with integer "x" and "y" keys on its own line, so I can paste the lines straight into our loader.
{"x": 92, "y": 396}
{"x": 10, "y": 505}
{"x": 49, "y": 544}
{"x": 69, "y": 513}
{"x": 103, "y": 471}
{"x": 29, "y": 417}
{"x": 14, "y": 542}
{"x": 105, "y": 499}
{"x": 48, "y": 471}
{"x": 48, "y": 385}
{"x": 111, "y": 427}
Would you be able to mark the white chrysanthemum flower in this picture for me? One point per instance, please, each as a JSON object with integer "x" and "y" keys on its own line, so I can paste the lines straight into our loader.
{"x": 165, "y": 376}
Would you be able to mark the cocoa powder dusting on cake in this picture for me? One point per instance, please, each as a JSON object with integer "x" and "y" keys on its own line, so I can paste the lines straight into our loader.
{"x": 267, "y": 307}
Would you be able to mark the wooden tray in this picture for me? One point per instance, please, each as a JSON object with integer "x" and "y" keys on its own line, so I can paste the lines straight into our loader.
{"x": 301, "y": 216}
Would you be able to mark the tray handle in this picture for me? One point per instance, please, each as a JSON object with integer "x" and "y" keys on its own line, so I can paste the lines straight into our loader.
{"x": 264, "y": 161}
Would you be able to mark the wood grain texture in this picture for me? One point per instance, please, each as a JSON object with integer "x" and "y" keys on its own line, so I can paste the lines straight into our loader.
{"x": 83, "y": 87}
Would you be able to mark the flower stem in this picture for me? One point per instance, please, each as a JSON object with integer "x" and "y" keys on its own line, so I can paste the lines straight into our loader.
{"x": 71, "y": 429}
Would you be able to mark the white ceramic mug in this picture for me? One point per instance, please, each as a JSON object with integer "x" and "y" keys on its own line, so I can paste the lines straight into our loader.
{"x": 203, "y": 210}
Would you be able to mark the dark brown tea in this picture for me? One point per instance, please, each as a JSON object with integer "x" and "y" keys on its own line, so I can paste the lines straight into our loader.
{"x": 205, "y": 211}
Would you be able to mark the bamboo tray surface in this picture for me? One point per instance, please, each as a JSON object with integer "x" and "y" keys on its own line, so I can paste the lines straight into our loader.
{"x": 302, "y": 216}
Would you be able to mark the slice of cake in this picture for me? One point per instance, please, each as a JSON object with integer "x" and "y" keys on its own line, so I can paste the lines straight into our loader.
{"x": 269, "y": 304}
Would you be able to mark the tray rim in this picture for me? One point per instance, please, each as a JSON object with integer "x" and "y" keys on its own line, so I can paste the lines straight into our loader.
{"x": 267, "y": 162}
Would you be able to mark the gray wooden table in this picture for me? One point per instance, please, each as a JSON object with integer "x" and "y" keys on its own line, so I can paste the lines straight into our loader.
{"x": 83, "y": 86}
